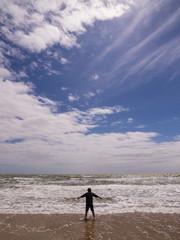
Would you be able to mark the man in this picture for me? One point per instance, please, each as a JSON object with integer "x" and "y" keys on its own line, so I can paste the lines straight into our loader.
{"x": 89, "y": 202}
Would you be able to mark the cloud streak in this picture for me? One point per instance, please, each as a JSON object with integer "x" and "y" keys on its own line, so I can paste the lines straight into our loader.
{"x": 142, "y": 46}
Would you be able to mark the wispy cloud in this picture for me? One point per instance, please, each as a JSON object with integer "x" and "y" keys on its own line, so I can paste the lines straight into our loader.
{"x": 140, "y": 126}
{"x": 89, "y": 95}
{"x": 116, "y": 123}
{"x": 107, "y": 110}
{"x": 177, "y": 138}
{"x": 130, "y": 120}
{"x": 73, "y": 98}
{"x": 47, "y": 66}
{"x": 64, "y": 60}
{"x": 95, "y": 76}
{"x": 147, "y": 48}
{"x": 64, "y": 88}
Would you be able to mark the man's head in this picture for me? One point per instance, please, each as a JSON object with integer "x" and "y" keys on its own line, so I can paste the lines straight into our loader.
{"x": 89, "y": 189}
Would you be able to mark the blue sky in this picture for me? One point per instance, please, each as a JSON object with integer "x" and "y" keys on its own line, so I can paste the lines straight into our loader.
{"x": 90, "y": 86}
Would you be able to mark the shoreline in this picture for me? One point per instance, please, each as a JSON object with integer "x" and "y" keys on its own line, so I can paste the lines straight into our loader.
{"x": 124, "y": 226}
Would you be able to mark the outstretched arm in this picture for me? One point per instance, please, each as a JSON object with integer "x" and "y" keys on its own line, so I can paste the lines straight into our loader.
{"x": 96, "y": 196}
{"x": 81, "y": 196}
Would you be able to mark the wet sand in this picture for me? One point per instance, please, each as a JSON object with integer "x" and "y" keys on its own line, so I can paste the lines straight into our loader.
{"x": 125, "y": 226}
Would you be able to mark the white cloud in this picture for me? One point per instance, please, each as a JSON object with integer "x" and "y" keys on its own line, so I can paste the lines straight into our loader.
{"x": 16, "y": 100}
{"x": 64, "y": 88}
{"x": 47, "y": 65}
{"x": 11, "y": 51}
{"x": 116, "y": 123}
{"x": 53, "y": 72}
{"x": 95, "y": 77}
{"x": 38, "y": 39}
{"x": 33, "y": 65}
{"x": 15, "y": 11}
{"x": 140, "y": 126}
{"x": 130, "y": 120}
{"x": 61, "y": 142}
{"x": 64, "y": 60}
{"x": 177, "y": 138}
{"x": 73, "y": 98}
{"x": 22, "y": 74}
{"x": 4, "y": 73}
{"x": 39, "y": 24}
{"x": 107, "y": 110}
{"x": 89, "y": 95}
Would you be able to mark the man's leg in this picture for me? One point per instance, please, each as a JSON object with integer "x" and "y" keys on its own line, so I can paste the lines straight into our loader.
{"x": 86, "y": 215}
{"x": 86, "y": 211}
{"x": 93, "y": 213}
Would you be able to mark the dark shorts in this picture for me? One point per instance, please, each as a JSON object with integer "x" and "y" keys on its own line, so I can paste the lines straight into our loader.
{"x": 89, "y": 206}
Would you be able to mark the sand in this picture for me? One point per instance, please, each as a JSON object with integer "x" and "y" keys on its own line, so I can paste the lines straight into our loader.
{"x": 125, "y": 226}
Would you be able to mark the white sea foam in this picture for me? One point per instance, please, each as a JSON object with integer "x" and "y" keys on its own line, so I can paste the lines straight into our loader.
{"x": 58, "y": 194}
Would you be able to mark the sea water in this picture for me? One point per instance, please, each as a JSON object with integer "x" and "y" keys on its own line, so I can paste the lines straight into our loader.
{"x": 56, "y": 194}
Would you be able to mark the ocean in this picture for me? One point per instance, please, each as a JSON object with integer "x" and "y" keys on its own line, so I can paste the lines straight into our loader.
{"x": 57, "y": 194}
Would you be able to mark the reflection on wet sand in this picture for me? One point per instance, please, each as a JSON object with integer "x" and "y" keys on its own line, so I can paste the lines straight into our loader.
{"x": 126, "y": 226}
{"x": 89, "y": 230}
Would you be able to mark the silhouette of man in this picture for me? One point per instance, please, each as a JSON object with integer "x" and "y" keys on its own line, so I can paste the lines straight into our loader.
{"x": 89, "y": 202}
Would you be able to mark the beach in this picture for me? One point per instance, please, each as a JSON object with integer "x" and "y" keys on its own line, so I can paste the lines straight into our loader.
{"x": 133, "y": 207}
{"x": 124, "y": 226}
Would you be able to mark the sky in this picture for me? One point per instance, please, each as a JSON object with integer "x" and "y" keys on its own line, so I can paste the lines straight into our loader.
{"x": 89, "y": 86}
